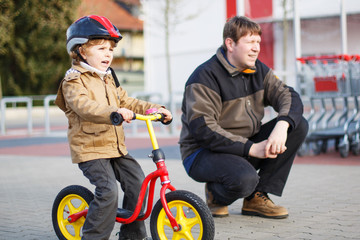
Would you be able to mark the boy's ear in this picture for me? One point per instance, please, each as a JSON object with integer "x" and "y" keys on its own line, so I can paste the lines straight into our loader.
{"x": 82, "y": 52}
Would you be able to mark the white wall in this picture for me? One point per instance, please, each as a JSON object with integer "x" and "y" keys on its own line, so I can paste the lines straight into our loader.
{"x": 320, "y": 30}
{"x": 354, "y": 33}
{"x": 191, "y": 43}
{"x": 316, "y": 8}
{"x": 194, "y": 41}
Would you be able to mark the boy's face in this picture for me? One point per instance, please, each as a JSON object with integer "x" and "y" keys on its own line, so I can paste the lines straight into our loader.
{"x": 99, "y": 56}
{"x": 245, "y": 51}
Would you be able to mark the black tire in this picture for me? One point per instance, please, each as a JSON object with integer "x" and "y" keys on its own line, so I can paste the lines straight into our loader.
{"x": 303, "y": 150}
{"x": 79, "y": 197}
{"x": 355, "y": 148}
{"x": 337, "y": 142}
{"x": 192, "y": 207}
{"x": 324, "y": 146}
{"x": 316, "y": 148}
{"x": 344, "y": 149}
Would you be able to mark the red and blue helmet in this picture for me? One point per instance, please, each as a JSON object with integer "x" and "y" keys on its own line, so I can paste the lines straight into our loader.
{"x": 90, "y": 27}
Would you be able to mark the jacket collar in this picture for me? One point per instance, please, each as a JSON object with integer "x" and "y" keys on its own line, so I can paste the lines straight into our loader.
{"x": 233, "y": 71}
{"x": 83, "y": 67}
{"x": 93, "y": 70}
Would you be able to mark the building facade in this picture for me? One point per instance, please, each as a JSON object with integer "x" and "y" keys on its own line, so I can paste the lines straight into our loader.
{"x": 196, "y": 33}
{"x": 128, "y": 60}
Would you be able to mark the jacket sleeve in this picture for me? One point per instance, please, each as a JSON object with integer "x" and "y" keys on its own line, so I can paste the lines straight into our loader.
{"x": 202, "y": 107}
{"x": 77, "y": 98}
{"x": 284, "y": 99}
{"x": 134, "y": 104}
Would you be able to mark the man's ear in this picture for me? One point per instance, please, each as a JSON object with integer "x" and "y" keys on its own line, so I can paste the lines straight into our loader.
{"x": 229, "y": 44}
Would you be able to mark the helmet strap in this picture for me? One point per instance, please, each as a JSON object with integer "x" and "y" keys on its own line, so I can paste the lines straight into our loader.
{"x": 117, "y": 83}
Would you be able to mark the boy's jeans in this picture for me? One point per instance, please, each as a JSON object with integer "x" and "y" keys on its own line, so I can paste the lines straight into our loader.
{"x": 104, "y": 174}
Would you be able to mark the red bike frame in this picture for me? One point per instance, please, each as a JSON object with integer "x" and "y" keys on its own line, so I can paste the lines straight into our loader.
{"x": 161, "y": 172}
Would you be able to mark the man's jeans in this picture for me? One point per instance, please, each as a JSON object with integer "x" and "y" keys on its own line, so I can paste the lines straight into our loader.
{"x": 231, "y": 177}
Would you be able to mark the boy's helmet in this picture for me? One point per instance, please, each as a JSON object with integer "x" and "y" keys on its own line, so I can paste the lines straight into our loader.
{"x": 90, "y": 27}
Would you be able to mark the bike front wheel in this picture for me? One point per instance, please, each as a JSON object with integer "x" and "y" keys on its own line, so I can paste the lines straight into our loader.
{"x": 70, "y": 200}
{"x": 190, "y": 212}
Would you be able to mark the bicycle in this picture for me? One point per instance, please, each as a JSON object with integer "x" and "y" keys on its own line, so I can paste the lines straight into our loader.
{"x": 178, "y": 214}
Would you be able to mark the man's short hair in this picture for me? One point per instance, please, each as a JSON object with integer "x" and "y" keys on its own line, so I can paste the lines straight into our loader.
{"x": 239, "y": 26}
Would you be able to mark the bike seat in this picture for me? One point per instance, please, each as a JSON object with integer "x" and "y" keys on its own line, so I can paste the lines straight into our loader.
{"x": 124, "y": 213}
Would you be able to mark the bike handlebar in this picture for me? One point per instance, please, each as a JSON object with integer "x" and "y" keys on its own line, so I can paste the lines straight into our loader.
{"x": 117, "y": 118}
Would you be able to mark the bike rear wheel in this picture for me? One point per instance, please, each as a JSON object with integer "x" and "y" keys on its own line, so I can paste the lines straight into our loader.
{"x": 70, "y": 200}
{"x": 190, "y": 212}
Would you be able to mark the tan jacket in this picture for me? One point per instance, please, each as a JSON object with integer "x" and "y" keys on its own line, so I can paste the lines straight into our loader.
{"x": 88, "y": 101}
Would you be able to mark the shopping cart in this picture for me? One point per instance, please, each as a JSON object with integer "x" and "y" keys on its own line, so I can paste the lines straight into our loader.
{"x": 332, "y": 84}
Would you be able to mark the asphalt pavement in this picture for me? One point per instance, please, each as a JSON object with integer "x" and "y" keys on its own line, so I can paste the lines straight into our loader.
{"x": 322, "y": 193}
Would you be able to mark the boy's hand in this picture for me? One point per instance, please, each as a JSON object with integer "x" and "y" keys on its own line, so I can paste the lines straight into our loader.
{"x": 166, "y": 113}
{"x": 126, "y": 114}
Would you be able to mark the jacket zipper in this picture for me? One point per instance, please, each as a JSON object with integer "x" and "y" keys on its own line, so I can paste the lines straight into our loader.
{"x": 248, "y": 108}
{"x": 251, "y": 114}
{"x": 108, "y": 99}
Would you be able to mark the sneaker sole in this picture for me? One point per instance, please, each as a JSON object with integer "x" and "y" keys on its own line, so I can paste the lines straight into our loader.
{"x": 251, "y": 213}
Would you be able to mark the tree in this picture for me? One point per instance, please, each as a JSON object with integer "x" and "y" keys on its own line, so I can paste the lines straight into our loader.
{"x": 6, "y": 29}
{"x": 33, "y": 55}
{"x": 171, "y": 14}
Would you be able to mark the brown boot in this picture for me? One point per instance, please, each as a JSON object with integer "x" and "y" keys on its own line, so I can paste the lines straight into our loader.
{"x": 262, "y": 206}
{"x": 215, "y": 209}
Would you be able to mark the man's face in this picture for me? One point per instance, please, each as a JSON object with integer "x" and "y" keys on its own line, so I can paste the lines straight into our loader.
{"x": 244, "y": 52}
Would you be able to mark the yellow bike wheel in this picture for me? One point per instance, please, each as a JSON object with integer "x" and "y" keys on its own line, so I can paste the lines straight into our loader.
{"x": 70, "y": 200}
{"x": 190, "y": 212}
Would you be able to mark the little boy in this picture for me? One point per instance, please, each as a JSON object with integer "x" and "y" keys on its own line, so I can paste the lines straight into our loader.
{"x": 88, "y": 94}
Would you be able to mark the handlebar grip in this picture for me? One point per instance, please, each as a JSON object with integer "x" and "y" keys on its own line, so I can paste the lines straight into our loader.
{"x": 163, "y": 118}
{"x": 116, "y": 118}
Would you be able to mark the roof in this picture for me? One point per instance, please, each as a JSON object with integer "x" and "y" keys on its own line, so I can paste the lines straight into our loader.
{"x": 122, "y": 19}
{"x": 130, "y": 2}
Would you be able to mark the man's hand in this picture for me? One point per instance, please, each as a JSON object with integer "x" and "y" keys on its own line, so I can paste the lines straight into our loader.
{"x": 257, "y": 150}
{"x": 277, "y": 139}
{"x": 274, "y": 145}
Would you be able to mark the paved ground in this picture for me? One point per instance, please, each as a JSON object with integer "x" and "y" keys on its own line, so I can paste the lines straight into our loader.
{"x": 322, "y": 193}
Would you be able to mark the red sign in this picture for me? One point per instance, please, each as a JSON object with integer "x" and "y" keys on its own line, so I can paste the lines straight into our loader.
{"x": 326, "y": 84}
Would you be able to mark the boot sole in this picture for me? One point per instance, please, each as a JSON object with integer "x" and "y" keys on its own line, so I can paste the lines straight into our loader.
{"x": 220, "y": 215}
{"x": 252, "y": 213}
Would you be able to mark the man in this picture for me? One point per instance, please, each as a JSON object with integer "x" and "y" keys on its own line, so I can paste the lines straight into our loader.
{"x": 223, "y": 142}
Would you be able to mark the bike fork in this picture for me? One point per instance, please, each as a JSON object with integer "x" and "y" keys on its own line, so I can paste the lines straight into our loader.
{"x": 175, "y": 226}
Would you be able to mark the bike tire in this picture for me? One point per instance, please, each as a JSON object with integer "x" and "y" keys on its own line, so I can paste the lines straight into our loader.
{"x": 190, "y": 212}
{"x": 71, "y": 199}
